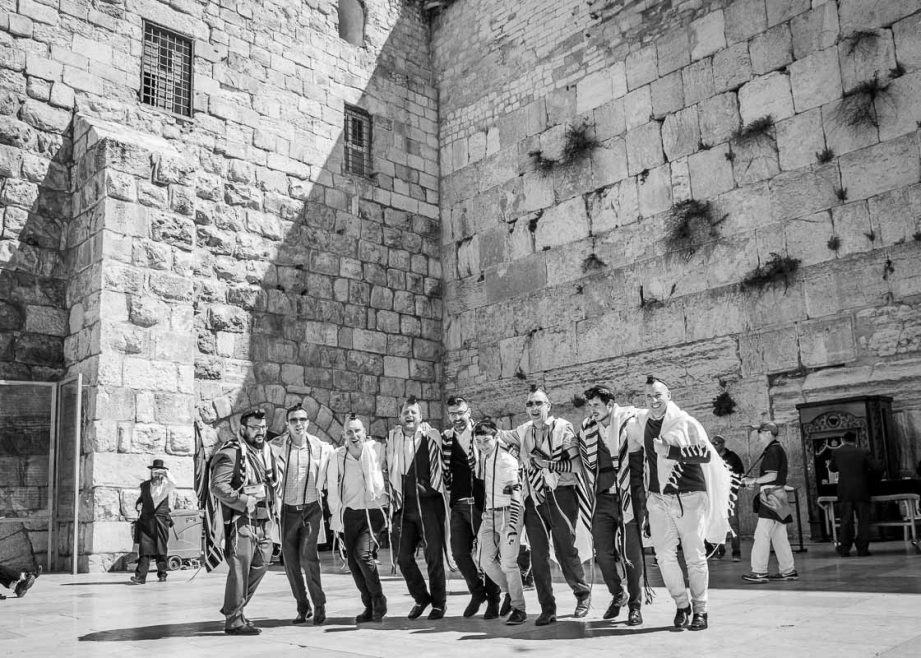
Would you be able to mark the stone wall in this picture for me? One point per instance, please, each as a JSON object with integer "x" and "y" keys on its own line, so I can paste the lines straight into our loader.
{"x": 224, "y": 261}
{"x": 564, "y": 274}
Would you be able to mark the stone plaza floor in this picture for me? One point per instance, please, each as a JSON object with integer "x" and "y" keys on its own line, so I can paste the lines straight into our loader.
{"x": 840, "y": 607}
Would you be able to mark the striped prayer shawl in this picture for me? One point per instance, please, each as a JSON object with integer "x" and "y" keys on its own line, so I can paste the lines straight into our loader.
{"x": 396, "y": 462}
{"x": 213, "y": 522}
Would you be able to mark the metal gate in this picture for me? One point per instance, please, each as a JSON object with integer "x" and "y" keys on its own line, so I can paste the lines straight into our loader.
{"x": 40, "y": 458}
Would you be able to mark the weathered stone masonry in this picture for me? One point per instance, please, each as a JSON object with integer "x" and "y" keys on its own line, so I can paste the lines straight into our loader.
{"x": 565, "y": 277}
{"x": 191, "y": 269}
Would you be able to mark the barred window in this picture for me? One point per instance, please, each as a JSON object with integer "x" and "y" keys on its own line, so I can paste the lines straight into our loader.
{"x": 357, "y": 141}
{"x": 166, "y": 70}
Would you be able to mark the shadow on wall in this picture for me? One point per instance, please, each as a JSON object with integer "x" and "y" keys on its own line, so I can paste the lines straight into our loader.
{"x": 35, "y": 151}
{"x": 327, "y": 286}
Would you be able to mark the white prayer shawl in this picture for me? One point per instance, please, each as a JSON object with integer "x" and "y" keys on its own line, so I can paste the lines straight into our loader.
{"x": 370, "y": 465}
{"x": 681, "y": 430}
{"x": 397, "y": 467}
{"x": 525, "y": 436}
{"x": 613, "y": 438}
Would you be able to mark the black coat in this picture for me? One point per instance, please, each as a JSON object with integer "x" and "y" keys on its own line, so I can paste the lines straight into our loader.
{"x": 152, "y": 527}
{"x": 855, "y": 469}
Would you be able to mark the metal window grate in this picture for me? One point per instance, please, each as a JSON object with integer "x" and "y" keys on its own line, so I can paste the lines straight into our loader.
{"x": 166, "y": 70}
{"x": 357, "y": 141}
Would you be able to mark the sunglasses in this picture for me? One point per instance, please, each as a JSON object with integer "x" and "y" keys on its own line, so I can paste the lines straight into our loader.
{"x": 536, "y": 403}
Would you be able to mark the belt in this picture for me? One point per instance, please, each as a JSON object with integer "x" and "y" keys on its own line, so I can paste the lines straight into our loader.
{"x": 467, "y": 501}
{"x": 610, "y": 491}
{"x": 297, "y": 508}
{"x": 497, "y": 509}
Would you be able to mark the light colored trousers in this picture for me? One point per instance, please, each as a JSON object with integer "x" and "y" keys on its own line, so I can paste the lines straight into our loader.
{"x": 671, "y": 521}
{"x": 767, "y": 532}
{"x": 497, "y": 558}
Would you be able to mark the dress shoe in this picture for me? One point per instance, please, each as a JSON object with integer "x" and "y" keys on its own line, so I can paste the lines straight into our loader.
{"x": 437, "y": 613}
{"x": 506, "y": 606}
{"x": 135, "y": 581}
{"x": 302, "y": 617}
{"x": 161, "y": 579}
{"x": 582, "y": 604}
{"x": 699, "y": 622}
{"x": 242, "y": 630}
{"x": 517, "y": 617}
{"x": 25, "y": 583}
{"x": 614, "y": 609}
{"x": 635, "y": 618}
{"x": 378, "y": 608}
{"x": 365, "y": 616}
{"x": 473, "y": 607}
{"x": 319, "y": 615}
{"x": 417, "y": 610}
{"x": 736, "y": 557}
{"x": 545, "y": 618}
{"x": 492, "y": 609}
{"x": 682, "y": 617}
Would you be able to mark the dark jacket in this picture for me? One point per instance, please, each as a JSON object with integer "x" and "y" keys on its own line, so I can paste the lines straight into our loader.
{"x": 855, "y": 469}
{"x": 153, "y": 524}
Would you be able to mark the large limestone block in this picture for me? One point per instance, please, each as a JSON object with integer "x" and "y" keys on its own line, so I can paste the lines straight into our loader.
{"x": 744, "y": 19}
{"x": 707, "y": 35}
{"x": 681, "y": 180}
{"x": 807, "y": 238}
{"x": 638, "y": 107}
{"x": 816, "y": 80}
{"x": 907, "y": 43}
{"x": 772, "y": 49}
{"x": 900, "y": 111}
{"x": 719, "y": 118}
{"x": 880, "y": 168}
{"x": 609, "y": 162}
{"x": 673, "y": 51}
{"x": 644, "y": 148}
{"x": 754, "y": 159}
{"x": 641, "y": 67}
{"x": 863, "y": 14}
{"x": 888, "y": 331}
{"x": 681, "y": 133}
{"x": 615, "y": 206}
{"x": 697, "y": 80}
{"x": 655, "y": 192}
{"x": 517, "y": 278}
{"x": 865, "y": 58}
{"x": 895, "y": 214}
{"x": 779, "y": 11}
{"x": 594, "y": 90}
{"x": 827, "y": 342}
{"x": 801, "y": 193}
{"x": 766, "y": 95}
{"x": 768, "y": 352}
{"x": 563, "y": 223}
{"x": 732, "y": 67}
{"x": 815, "y": 30}
{"x": 841, "y": 137}
{"x": 667, "y": 94}
{"x": 711, "y": 172}
{"x": 610, "y": 120}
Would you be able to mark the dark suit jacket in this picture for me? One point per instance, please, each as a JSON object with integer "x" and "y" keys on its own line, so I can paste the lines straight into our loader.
{"x": 855, "y": 469}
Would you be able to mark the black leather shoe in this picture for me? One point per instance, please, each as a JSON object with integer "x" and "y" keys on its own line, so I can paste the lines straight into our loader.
{"x": 365, "y": 616}
{"x": 437, "y": 613}
{"x": 506, "y": 606}
{"x": 682, "y": 617}
{"x": 545, "y": 618}
{"x": 635, "y": 618}
{"x": 319, "y": 615}
{"x": 614, "y": 609}
{"x": 417, "y": 610}
{"x": 476, "y": 601}
{"x": 378, "y": 608}
{"x": 492, "y": 609}
{"x": 242, "y": 630}
{"x": 582, "y": 604}
{"x": 161, "y": 579}
{"x": 302, "y": 617}
{"x": 517, "y": 617}
{"x": 699, "y": 623}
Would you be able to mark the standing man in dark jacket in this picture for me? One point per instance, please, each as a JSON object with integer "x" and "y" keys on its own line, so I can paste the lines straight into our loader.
{"x": 151, "y": 530}
{"x": 854, "y": 467}
{"x": 734, "y": 462}
{"x": 243, "y": 478}
{"x": 466, "y": 494}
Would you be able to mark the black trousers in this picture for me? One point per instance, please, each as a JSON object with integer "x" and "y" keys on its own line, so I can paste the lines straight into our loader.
{"x": 422, "y": 519}
{"x": 465, "y": 523}
{"x": 862, "y": 540}
{"x": 557, "y": 517}
{"x": 299, "y": 532}
{"x": 8, "y": 576}
{"x": 605, "y": 524}
{"x": 360, "y": 542}
{"x": 144, "y": 566}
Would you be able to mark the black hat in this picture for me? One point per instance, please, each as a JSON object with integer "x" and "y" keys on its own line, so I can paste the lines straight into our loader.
{"x": 158, "y": 463}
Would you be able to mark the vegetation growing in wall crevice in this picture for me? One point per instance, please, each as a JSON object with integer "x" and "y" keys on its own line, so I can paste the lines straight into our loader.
{"x": 755, "y": 130}
{"x": 841, "y": 193}
{"x": 777, "y": 269}
{"x": 723, "y": 404}
{"x": 861, "y": 42}
{"x": 690, "y": 224}
{"x": 859, "y": 108}
{"x": 834, "y": 243}
{"x": 592, "y": 263}
{"x": 825, "y": 156}
{"x": 542, "y": 163}
{"x": 579, "y": 143}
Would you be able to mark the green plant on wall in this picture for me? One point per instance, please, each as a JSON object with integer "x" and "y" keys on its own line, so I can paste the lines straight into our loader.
{"x": 777, "y": 269}
{"x": 690, "y": 224}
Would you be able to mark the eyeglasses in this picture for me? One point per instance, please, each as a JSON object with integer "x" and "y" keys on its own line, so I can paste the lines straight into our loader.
{"x": 536, "y": 403}
{"x": 295, "y": 421}
{"x": 458, "y": 414}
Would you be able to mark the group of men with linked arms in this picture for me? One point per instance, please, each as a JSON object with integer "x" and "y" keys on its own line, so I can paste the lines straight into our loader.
{"x": 481, "y": 491}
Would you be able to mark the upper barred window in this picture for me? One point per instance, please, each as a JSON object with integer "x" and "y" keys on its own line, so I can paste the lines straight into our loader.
{"x": 166, "y": 70}
{"x": 357, "y": 141}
